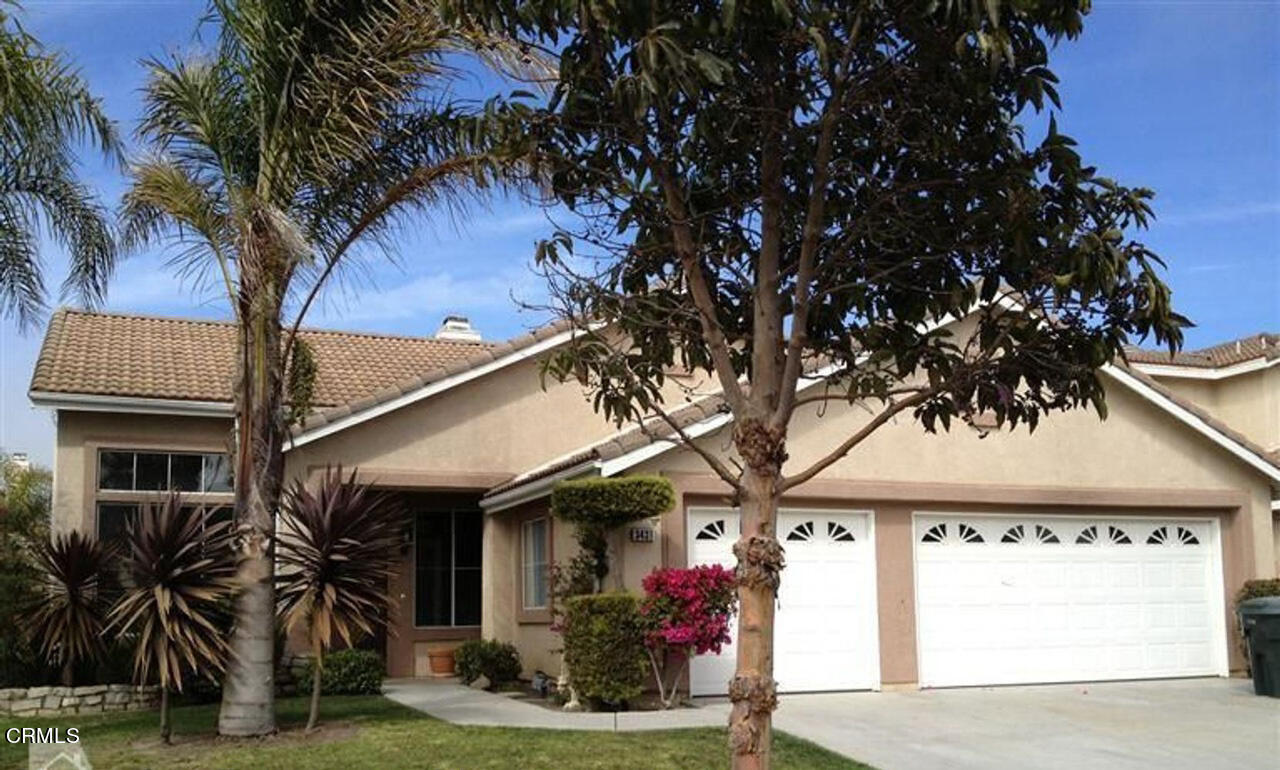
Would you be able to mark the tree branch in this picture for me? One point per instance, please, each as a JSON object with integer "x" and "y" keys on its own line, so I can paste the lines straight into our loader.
{"x": 866, "y": 430}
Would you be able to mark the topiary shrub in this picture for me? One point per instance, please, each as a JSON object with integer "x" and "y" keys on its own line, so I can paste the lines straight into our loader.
{"x": 604, "y": 647}
{"x": 597, "y": 506}
{"x": 496, "y": 661}
{"x": 347, "y": 672}
{"x": 1256, "y": 589}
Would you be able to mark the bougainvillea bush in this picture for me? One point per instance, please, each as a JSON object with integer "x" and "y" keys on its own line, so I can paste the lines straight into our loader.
{"x": 686, "y": 612}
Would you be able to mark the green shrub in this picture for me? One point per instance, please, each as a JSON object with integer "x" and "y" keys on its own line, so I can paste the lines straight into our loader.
{"x": 1254, "y": 589}
{"x": 496, "y": 661}
{"x": 347, "y": 672}
{"x": 604, "y": 647}
{"x": 610, "y": 503}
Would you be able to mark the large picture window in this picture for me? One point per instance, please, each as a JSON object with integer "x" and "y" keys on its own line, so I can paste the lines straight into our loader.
{"x": 534, "y": 563}
{"x": 446, "y": 585}
{"x": 129, "y": 479}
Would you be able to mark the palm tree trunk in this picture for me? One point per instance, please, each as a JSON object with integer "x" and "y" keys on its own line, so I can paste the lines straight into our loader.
{"x": 166, "y": 728}
{"x": 68, "y": 673}
{"x": 753, "y": 691}
{"x": 317, "y": 670}
{"x": 248, "y": 692}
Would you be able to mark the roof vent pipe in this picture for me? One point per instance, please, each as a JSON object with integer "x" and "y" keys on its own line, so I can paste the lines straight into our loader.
{"x": 457, "y": 328}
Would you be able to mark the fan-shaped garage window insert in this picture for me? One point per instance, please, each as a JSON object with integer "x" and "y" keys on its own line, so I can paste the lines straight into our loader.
{"x": 1087, "y": 536}
{"x": 839, "y": 532}
{"x": 968, "y": 534}
{"x": 801, "y": 532}
{"x": 1045, "y": 535}
{"x": 1172, "y": 536}
{"x": 935, "y": 534}
{"x": 1015, "y": 534}
{"x": 712, "y": 531}
{"x": 1118, "y": 536}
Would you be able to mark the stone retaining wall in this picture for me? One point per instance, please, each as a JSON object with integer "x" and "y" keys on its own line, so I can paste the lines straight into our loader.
{"x": 90, "y": 699}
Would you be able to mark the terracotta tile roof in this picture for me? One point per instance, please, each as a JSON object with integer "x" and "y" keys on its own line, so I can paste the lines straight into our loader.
{"x": 1265, "y": 345}
{"x": 192, "y": 360}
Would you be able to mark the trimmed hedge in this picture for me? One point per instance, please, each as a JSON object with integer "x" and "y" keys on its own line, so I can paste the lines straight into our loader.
{"x": 609, "y": 503}
{"x": 604, "y": 647}
{"x": 347, "y": 672}
{"x": 496, "y": 661}
{"x": 1254, "y": 589}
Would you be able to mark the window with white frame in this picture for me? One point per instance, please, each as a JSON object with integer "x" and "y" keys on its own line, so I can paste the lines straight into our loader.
{"x": 534, "y": 564}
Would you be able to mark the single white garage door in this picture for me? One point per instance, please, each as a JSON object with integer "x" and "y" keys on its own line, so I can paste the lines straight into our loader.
{"x": 1014, "y": 599}
{"x": 825, "y": 630}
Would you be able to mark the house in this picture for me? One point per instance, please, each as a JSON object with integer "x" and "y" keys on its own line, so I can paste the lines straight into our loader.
{"x": 1088, "y": 550}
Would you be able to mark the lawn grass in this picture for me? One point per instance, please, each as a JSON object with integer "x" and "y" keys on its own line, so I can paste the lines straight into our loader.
{"x": 375, "y": 732}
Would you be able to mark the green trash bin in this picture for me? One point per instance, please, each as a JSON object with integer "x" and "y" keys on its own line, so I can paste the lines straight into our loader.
{"x": 1260, "y": 621}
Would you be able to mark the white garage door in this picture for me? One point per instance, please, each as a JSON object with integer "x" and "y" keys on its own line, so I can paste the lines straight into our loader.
{"x": 825, "y": 630}
{"x": 1011, "y": 599}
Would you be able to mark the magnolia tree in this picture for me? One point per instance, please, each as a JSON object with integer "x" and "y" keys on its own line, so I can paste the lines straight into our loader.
{"x": 787, "y": 194}
{"x": 686, "y": 612}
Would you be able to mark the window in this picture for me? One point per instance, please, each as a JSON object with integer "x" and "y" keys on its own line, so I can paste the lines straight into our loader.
{"x": 447, "y": 568}
{"x": 534, "y": 564}
{"x": 126, "y": 471}
{"x": 130, "y": 479}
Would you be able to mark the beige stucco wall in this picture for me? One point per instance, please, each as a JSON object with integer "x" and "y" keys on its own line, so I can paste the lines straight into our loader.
{"x": 1250, "y": 402}
{"x": 81, "y": 434}
{"x": 503, "y": 422}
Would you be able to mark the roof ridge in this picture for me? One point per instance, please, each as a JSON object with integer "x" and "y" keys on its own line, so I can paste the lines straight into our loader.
{"x": 307, "y": 329}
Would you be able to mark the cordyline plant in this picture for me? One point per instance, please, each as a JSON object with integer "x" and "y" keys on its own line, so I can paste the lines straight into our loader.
{"x": 275, "y": 165}
{"x": 338, "y": 550}
{"x": 798, "y": 200}
{"x": 67, "y": 621}
{"x": 686, "y": 612}
{"x": 179, "y": 568}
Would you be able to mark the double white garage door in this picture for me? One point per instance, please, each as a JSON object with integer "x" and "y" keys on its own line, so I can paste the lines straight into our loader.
{"x": 999, "y": 599}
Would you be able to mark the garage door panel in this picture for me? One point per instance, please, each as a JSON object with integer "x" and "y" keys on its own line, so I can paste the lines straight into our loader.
{"x": 825, "y": 622}
{"x": 1008, "y": 599}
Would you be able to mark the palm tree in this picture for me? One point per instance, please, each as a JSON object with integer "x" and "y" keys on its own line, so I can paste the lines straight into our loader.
{"x": 179, "y": 568}
{"x": 45, "y": 110}
{"x": 338, "y": 550}
{"x": 67, "y": 621}
{"x": 309, "y": 135}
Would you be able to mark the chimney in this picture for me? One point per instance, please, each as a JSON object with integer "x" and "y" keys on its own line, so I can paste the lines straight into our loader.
{"x": 457, "y": 328}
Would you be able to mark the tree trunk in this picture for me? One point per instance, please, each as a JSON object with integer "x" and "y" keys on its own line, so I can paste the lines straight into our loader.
{"x": 316, "y": 672}
{"x": 753, "y": 691}
{"x": 166, "y": 727}
{"x": 68, "y": 673}
{"x": 248, "y": 691}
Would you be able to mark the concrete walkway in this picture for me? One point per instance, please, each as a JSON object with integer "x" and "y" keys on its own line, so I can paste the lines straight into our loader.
{"x": 1187, "y": 724}
{"x": 448, "y": 700}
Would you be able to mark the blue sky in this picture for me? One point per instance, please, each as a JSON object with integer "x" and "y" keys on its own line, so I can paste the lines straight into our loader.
{"x": 1182, "y": 96}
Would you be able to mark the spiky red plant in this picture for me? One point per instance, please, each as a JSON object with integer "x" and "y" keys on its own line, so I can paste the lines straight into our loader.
{"x": 66, "y": 623}
{"x": 337, "y": 551}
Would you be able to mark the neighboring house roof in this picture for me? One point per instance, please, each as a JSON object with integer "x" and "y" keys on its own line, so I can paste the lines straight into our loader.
{"x": 1262, "y": 347}
{"x": 186, "y": 363}
{"x": 627, "y": 448}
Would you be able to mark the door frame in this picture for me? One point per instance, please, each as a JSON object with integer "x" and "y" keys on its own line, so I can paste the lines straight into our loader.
{"x": 1217, "y": 606}
{"x": 872, "y": 567}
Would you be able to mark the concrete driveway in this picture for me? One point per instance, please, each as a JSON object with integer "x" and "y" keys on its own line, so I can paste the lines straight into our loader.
{"x": 1189, "y": 723}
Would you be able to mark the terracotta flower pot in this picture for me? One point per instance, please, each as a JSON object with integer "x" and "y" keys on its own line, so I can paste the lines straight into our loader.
{"x": 441, "y": 661}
